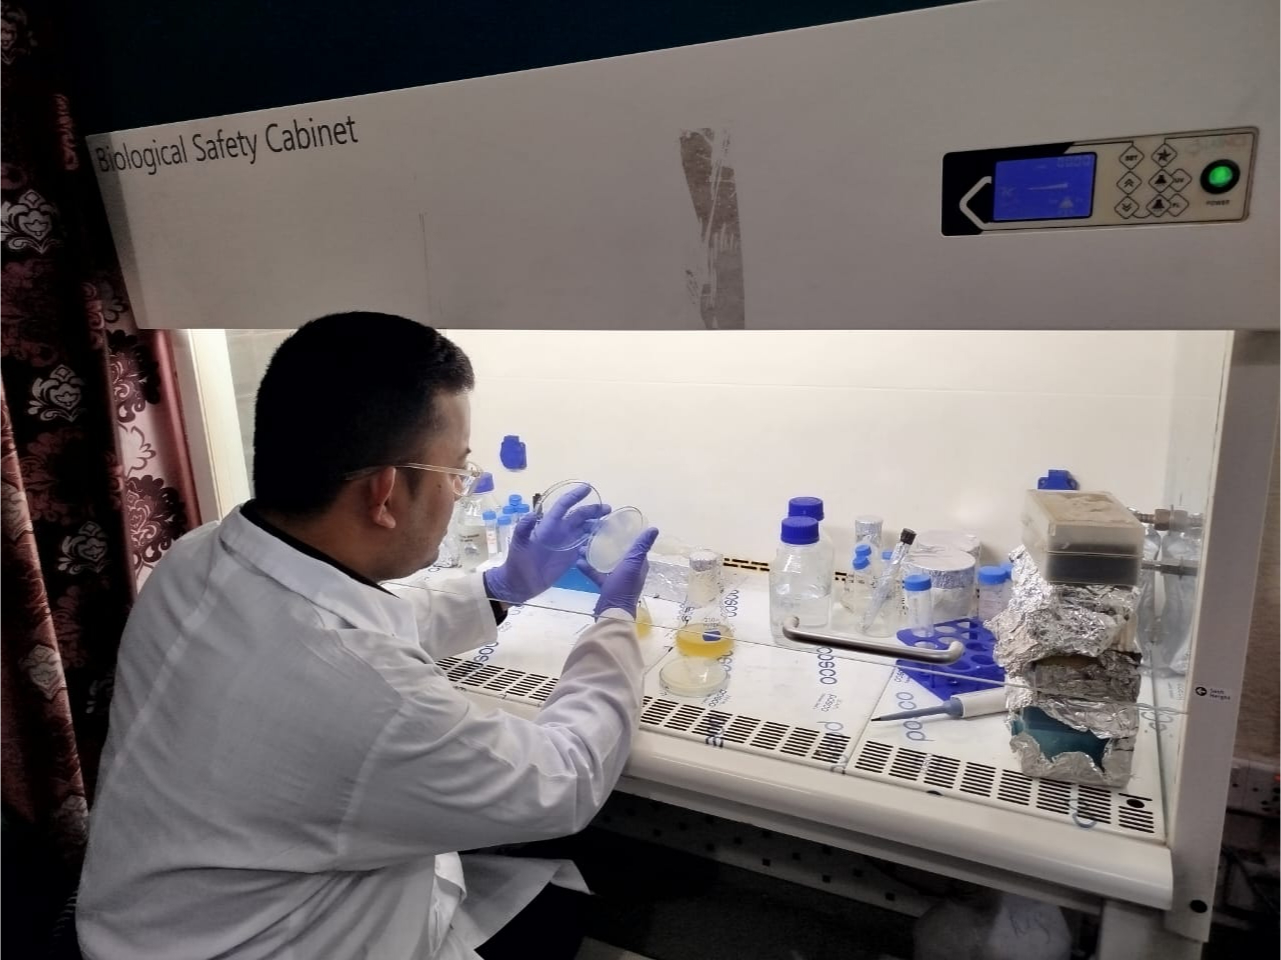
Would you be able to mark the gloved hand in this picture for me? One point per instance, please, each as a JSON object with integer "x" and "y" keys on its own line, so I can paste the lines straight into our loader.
{"x": 537, "y": 555}
{"x": 620, "y": 589}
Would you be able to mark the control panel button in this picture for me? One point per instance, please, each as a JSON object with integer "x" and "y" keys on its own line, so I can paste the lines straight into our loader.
{"x": 1127, "y": 208}
{"x": 1164, "y": 154}
{"x": 1131, "y": 156}
{"x": 1177, "y": 204}
{"x": 1220, "y": 176}
{"x": 1180, "y": 179}
{"x": 1157, "y": 206}
{"x": 1160, "y": 181}
{"x": 1129, "y": 182}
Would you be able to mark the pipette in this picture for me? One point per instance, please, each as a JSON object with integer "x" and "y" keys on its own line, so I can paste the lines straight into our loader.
{"x": 980, "y": 703}
{"x": 889, "y": 576}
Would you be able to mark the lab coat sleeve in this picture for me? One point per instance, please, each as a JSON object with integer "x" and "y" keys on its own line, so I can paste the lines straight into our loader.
{"x": 448, "y": 775}
{"x": 453, "y": 615}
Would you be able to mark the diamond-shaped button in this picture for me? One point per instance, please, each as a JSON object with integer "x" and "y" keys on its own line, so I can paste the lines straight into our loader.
{"x": 1177, "y": 204}
{"x": 1131, "y": 156}
{"x": 1158, "y": 206}
{"x": 1180, "y": 179}
{"x": 1129, "y": 182}
{"x": 1160, "y": 181}
{"x": 1127, "y": 208}
{"x": 1164, "y": 154}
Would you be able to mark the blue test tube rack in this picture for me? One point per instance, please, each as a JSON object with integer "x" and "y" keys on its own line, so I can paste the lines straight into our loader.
{"x": 976, "y": 670}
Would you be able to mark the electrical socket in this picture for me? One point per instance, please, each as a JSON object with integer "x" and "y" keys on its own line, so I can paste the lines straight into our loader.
{"x": 1255, "y": 788}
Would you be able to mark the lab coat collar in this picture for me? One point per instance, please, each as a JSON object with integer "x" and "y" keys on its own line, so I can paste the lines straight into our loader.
{"x": 363, "y": 605}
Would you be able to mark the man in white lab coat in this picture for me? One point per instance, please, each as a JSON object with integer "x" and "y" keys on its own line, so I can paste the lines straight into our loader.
{"x": 288, "y": 772}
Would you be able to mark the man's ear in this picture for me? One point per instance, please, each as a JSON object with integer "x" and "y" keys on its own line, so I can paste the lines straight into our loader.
{"x": 378, "y": 490}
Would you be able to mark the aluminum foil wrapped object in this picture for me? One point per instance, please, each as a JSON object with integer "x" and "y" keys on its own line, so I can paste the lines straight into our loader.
{"x": 947, "y": 567}
{"x": 668, "y": 576}
{"x": 1104, "y": 719}
{"x": 1052, "y": 620}
{"x": 951, "y": 573}
{"x": 1111, "y": 677}
{"x": 957, "y": 539}
{"x": 1114, "y": 770}
{"x": 1072, "y": 652}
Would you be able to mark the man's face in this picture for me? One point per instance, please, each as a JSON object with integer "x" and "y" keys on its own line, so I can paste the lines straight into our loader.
{"x": 431, "y": 504}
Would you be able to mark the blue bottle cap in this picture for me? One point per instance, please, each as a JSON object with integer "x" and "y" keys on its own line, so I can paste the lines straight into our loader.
{"x": 799, "y": 530}
{"x": 805, "y": 507}
{"x": 861, "y": 562}
{"x": 505, "y": 520}
{"x": 521, "y": 508}
{"x": 484, "y": 483}
{"x": 489, "y": 515}
{"x": 991, "y": 576}
{"x": 1057, "y": 480}
{"x": 863, "y": 550}
{"x": 513, "y": 498}
{"x": 512, "y": 452}
{"x": 887, "y": 554}
{"x": 916, "y": 582}
{"x": 508, "y": 509}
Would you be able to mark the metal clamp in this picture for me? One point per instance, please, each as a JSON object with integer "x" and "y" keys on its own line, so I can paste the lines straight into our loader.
{"x": 1174, "y": 569}
{"x": 954, "y": 651}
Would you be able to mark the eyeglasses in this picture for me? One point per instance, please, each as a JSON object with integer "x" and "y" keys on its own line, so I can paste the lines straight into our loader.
{"x": 463, "y": 479}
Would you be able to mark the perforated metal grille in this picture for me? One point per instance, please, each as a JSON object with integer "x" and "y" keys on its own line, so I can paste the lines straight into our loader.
{"x": 716, "y": 728}
{"x": 1085, "y": 805}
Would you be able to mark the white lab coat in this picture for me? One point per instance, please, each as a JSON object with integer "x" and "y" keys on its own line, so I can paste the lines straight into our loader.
{"x": 288, "y": 772}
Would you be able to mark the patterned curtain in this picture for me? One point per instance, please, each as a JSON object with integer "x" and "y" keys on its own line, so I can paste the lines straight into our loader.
{"x": 95, "y": 478}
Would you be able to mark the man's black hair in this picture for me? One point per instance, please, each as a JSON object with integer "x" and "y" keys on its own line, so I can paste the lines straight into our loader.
{"x": 344, "y": 392}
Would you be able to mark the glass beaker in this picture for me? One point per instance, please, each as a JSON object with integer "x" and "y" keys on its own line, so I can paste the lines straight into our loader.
{"x": 644, "y": 619}
{"x": 704, "y": 631}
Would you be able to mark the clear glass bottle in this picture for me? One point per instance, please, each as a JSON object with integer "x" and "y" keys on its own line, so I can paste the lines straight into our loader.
{"x": 813, "y": 507}
{"x": 504, "y": 532}
{"x": 858, "y": 582}
{"x": 484, "y": 489}
{"x": 704, "y": 631}
{"x": 469, "y": 531}
{"x": 920, "y": 604}
{"x": 800, "y": 581}
{"x": 868, "y": 530}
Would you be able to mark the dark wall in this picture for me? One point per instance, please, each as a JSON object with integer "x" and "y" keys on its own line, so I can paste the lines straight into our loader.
{"x": 139, "y": 62}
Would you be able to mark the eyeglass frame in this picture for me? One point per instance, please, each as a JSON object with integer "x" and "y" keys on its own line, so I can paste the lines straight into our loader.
{"x": 467, "y": 475}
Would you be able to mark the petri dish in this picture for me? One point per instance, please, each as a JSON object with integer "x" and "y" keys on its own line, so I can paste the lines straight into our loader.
{"x": 548, "y": 498}
{"x": 613, "y": 537}
{"x": 693, "y": 676}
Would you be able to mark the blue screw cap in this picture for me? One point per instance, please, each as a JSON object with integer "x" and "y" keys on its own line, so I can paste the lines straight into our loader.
{"x": 1057, "y": 480}
{"x": 805, "y": 507}
{"x": 512, "y": 452}
{"x": 799, "y": 531}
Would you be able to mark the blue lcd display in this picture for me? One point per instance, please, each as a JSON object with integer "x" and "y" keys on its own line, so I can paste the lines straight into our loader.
{"x": 1045, "y": 188}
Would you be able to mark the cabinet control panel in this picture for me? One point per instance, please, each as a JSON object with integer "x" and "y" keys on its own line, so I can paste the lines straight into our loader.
{"x": 1148, "y": 180}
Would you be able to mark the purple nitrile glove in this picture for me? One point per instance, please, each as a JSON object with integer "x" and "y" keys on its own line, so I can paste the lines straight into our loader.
{"x": 620, "y": 589}
{"x": 537, "y": 555}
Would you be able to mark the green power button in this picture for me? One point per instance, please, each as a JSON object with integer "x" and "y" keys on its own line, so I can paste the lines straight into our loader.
{"x": 1220, "y": 176}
